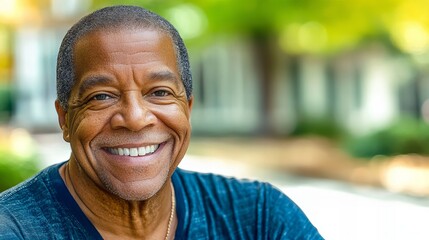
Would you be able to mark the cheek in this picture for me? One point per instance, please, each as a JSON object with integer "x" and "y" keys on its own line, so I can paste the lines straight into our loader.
{"x": 175, "y": 117}
{"x": 85, "y": 125}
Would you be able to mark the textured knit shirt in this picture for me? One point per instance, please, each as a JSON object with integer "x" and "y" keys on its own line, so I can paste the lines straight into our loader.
{"x": 208, "y": 207}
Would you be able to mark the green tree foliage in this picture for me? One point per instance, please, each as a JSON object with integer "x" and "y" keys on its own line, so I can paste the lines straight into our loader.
{"x": 406, "y": 136}
{"x": 18, "y": 157}
{"x": 329, "y": 25}
{"x": 15, "y": 169}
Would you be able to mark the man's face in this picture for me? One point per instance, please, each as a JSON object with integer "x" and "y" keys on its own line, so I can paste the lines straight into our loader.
{"x": 128, "y": 123}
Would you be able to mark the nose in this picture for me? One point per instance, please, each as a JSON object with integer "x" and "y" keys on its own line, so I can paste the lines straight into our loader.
{"x": 133, "y": 114}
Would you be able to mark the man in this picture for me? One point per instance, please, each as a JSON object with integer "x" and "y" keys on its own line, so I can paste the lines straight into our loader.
{"x": 124, "y": 103}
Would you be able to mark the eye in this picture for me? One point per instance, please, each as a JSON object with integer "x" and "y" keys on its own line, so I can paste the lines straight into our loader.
{"x": 160, "y": 93}
{"x": 101, "y": 97}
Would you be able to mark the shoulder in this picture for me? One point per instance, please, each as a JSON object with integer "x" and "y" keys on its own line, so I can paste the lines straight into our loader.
{"x": 18, "y": 194}
{"x": 218, "y": 184}
{"x": 213, "y": 180}
{"x": 246, "y": 203}
{"x": 228, "y": 193}
{"x": 23, "y": 204}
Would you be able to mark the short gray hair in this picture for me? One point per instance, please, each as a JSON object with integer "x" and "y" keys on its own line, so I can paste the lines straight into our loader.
{"x": 110, "y": 18}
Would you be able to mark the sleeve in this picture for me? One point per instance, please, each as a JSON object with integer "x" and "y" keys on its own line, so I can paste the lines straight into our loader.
{"x": 285, "y": 219}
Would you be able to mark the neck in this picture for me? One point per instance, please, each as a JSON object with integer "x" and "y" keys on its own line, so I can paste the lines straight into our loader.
{"x": 115, "y": 217}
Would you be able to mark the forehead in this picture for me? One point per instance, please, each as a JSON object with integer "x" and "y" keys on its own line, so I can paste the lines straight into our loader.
{"x": 137, "y": 44}
{"x": 138, "y": 48}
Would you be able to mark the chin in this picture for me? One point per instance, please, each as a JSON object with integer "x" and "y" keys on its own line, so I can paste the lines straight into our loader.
{"x": 135, "y": 196}
{"x": 135, "y": 191}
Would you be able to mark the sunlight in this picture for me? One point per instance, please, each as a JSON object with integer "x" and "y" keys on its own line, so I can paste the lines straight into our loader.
{"x": 189, "y": 20}
{"x": 9, "y": 10}
{"x": 412, "y": 37}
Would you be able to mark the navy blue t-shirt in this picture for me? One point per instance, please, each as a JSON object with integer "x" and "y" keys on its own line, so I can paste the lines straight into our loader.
{"x": 208, "y": 207}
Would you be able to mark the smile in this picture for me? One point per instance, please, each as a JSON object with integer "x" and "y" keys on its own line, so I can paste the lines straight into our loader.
{"x": 133, "y": 152}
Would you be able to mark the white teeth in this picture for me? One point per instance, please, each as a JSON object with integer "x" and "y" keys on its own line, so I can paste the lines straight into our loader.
{"x": 126, "y": 151}
{"x": 142, "y": 151}
{"x": 134, "y": 152}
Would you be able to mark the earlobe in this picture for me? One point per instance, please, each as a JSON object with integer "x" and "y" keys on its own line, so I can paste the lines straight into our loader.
{"x": 190, "y": 103}
{"x": 62, "y": 120}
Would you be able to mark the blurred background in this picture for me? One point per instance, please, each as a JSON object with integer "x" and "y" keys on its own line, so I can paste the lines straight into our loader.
{"x": 326, "y": 99}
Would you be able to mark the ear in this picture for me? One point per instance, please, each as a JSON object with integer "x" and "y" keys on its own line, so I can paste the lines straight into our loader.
{"x": 62, "y": 120}
{"x": 190, "y": 104}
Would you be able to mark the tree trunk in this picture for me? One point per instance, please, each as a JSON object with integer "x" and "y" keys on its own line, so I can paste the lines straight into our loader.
{"x": 265, "y": 61}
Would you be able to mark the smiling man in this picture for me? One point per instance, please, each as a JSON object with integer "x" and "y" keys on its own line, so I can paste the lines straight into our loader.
{"x": 124, "y": 103}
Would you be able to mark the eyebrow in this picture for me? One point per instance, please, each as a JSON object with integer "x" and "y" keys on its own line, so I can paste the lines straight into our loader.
{"x": 164, "y": 75}
{"x": 93, "y": 81}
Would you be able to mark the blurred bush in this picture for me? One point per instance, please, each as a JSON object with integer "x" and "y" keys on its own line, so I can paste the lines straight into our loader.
{"x": 404, "y": 136}
{"x": 18, "y": 158}
{"x": 6, "y": 102}
{"x": 324, "y": 127}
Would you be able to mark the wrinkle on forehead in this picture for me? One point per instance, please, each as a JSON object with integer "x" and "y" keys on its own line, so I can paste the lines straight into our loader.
{"x": 127, "y": 47}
